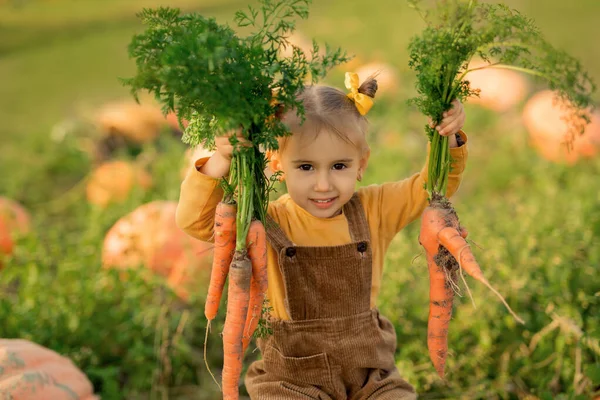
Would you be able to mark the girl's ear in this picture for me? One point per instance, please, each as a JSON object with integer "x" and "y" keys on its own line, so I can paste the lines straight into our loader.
{"x": 364, "y": 161}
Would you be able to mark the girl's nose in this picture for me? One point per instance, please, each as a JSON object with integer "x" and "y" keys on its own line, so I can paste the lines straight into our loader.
{"x": 322, "y": 184}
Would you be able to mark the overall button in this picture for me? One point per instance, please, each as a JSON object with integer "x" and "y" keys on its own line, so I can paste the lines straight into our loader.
{"x": 362, "y": 247}
{"x": 290, "y": 252}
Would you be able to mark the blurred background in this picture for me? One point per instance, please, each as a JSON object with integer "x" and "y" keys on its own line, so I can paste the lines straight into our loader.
{"x": 94, "y": 269}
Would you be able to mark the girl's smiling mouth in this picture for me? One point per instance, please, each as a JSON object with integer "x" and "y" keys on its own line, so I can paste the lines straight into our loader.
{"x": 323, "y": 203}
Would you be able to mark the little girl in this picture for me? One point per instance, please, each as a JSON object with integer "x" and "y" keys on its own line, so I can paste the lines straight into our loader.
{"x": 327, "y": 243}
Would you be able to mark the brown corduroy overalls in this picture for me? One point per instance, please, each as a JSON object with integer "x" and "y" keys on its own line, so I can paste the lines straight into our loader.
{"x": 334, "y": 346}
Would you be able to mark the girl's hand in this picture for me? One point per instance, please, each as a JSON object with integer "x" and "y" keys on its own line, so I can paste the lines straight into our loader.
{"x": 219, "y": 163}
{"x": 224, "y": 146}
{"x": 452, "y": 122}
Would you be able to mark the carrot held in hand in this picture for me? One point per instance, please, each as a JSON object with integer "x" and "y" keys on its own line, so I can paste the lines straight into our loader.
{"x": 225, "y": 240}
{"x": 441, "y": 296}
{"x": 447, "y": 253}
{"x": 238, "y": 297}
{"x": 225, "y": 235}
{"x": 257, "y": 252}
{"x": 441, "y": 293}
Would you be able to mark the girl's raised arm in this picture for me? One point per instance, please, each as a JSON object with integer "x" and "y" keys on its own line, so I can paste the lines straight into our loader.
{"x": 198, "y": 199}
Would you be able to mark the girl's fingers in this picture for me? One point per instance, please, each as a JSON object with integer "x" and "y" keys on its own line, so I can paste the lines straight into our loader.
{"x": 449, "y": 129}
{"x": 445, "y": 126}
{"x": 453, "y": 119}
{"x": 451, "y": 124}
{"x": 456, "y": 106}
{"x": 449, "y": 113}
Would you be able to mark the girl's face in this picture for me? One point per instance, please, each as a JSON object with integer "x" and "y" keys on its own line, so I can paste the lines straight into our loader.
{"x": 321, "y": 172}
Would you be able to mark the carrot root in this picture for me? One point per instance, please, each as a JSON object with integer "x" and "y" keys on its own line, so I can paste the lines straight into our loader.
{"x": 448, "y": 252}
{"x": 206, "y": 358}
{"x": 257, "y": 252}
{"x": 238, "y": 297}
{"x": 461, "y": 251}
{"x": 440, "y": 313}
{"x": 225, "y": 234}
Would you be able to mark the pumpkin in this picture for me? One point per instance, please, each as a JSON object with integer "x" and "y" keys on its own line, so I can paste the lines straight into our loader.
{"x": 500, "y": 89}
{"x": 6, "y": 241}
{"x": 137, "y": 123}
{"x": 588, "y": 144}
{"x": 113, "y": 181}
{"x": 148, "y": 237}
{"x": 387, "y": 77}
{"x": 14, "y": 221}
{"x": 543, "y": 119}
{"x": 29, "y": 371}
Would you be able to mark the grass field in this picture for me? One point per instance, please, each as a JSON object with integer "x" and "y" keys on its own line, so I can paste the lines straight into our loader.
{"x": 537, "y": 223}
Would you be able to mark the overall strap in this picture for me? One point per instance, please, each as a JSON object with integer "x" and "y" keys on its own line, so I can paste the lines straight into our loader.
{"x": 357, "y": 220}
{"x": 275, "y": 235}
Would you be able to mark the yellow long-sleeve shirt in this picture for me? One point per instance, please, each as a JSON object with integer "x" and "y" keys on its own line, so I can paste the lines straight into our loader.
{"x": 389, "y": 207}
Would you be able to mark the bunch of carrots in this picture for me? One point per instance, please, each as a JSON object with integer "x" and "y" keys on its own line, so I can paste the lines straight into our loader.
{"x": 456, "y": 32}
{"x": 247, "y": 271}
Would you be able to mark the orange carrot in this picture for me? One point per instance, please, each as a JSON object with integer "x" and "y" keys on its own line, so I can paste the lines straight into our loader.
{"x": 238, "y": 297}
{"x": 441, "y": 297}
{"x": 441, "y": 234}
{"x": 433, "y": 220}
{"x": 257, "y": 252}
{"x": 461, "y": 251}
{"x": 224, "y": 231}
{"x": 441, "y": 294}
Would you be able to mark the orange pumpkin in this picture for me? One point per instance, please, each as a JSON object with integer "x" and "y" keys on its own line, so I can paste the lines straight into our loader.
{"x": 138, "y": 123}
{"x": 29, "y": 371}
{"x": 543, "y": 118}
{"x": 113, "y": 182}
{"x": 501, "y": 89}
{"x": 149, "y": 237}
{"x": 387, "y": 76}
{"x": 14, "y": 221}
{"x": 6, "y": 241}
{"x": 588, "y": 144}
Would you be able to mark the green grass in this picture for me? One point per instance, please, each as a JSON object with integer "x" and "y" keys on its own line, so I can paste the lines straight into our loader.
{"x": 538, "y": 223}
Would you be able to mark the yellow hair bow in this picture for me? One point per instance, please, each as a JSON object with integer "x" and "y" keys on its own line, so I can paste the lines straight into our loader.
{"x": 363, "y": 102}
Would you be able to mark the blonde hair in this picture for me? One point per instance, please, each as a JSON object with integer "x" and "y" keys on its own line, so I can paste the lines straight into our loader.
{"x": 328, "y": 108}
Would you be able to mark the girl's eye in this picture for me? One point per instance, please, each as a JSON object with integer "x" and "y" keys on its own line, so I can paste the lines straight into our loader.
{"x": 339, "y": 166}
{"x": 305, "y": 167}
